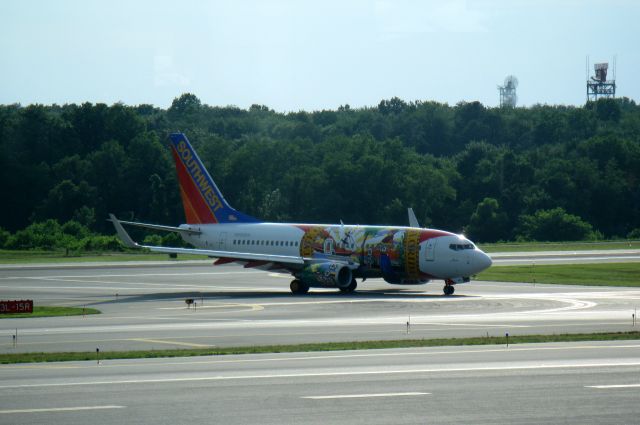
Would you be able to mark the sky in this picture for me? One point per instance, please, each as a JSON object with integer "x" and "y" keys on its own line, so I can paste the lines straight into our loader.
{"x": 310, "y": 55}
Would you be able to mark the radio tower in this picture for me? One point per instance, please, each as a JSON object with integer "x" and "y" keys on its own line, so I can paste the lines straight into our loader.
{"x": 508, "y": 97}
{"x": 598, "y": 86}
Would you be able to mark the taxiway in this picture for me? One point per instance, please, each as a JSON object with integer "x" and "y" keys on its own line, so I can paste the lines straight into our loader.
{"x": 143, "y": 307}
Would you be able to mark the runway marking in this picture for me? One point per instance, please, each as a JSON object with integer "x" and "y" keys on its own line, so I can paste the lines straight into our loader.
{"x": 607, "y": 387}
{"x": 544, "y": 366}
{"x": 329, "y": 397}
{"x": 160, "y": 341}
{"x": 253, "y": 307}
{"x": 565, "y": 259}
{"x": 115, "y": 282}
{"x": 60, "y": 409}
{"x": 436, "y": 352}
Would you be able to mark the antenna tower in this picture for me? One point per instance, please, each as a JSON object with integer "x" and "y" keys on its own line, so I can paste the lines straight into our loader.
{"x": 597, "y": 85}
{"x": 508, "y": 97}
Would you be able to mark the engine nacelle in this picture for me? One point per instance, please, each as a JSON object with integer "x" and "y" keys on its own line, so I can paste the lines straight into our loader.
{"x": 400, "y": 281}
{"x": 327, "y": 274}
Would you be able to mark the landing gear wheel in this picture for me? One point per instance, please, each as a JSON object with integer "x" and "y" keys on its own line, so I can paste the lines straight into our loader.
{"x": 298, "y": 287}
{"x": 350, "y": 288}
{"x": 448, "y": 289}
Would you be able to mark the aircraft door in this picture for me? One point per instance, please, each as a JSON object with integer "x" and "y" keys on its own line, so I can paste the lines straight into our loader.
{"x": 328, "y": 246}
{"x": 222, "y": 241}
{"x": 430, "y": 249}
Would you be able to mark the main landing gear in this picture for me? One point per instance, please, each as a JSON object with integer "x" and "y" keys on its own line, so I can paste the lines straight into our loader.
{"x": 299, "y": 287}
{"x": 448, "y": 287}
{"x": 350, "y": 288}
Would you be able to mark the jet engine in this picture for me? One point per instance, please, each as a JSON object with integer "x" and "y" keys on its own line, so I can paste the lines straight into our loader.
{"x": 327, "y": 274}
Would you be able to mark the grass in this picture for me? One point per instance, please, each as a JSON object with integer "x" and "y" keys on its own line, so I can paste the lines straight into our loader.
{"x": 558, "y": 246}
{"x": 335, "y": 346}
{"x": 42, "y": 256}
{"x": 44, "y": 311}
{"x": 609, "y": 274}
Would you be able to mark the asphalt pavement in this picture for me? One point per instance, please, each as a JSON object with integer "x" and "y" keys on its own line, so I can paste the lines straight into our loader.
{"x": 143, "y": 307}
{"x": 568, "y": 383}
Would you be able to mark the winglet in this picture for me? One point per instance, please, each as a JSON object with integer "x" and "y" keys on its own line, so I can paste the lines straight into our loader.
{"x": 122, "y": 234}
{"x": 413, "y": 221}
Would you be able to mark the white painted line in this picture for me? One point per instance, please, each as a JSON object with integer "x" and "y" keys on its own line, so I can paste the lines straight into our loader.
{"x": 328, "y": 397}
{"x": 199, "y": 361}
{"x": 606, "y": 387}
{"x": 329, "y": 374}
{"x": 572, "y": 259}
{"x": 61, "y": 409}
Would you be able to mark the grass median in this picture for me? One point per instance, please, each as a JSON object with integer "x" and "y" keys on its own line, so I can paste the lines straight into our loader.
{"x": 46, "y": 311}
{"x": 606, "y": 274}
{"x": 558, "y": 246}
{"x": 299, "y": 348}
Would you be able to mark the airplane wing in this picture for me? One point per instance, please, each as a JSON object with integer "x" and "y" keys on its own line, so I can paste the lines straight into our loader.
{"x": 248, "y": 256}
{"x": 156, "y": 226}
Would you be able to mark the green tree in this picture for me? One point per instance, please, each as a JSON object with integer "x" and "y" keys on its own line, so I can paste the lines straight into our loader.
{"x": 488, "y": 223}
{"x": 555, "y": 225}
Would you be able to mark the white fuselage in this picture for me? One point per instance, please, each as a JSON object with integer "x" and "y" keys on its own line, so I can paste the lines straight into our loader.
{"x": 442, "y": 255}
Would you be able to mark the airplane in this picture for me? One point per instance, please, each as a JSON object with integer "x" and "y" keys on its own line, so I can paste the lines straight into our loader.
{"x": 316, "y": 255}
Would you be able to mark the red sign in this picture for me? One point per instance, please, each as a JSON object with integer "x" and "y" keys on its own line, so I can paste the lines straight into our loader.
{"x": 22, "y": 306}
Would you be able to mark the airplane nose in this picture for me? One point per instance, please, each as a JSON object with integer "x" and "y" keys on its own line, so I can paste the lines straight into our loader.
{"x": 483, "y": 261}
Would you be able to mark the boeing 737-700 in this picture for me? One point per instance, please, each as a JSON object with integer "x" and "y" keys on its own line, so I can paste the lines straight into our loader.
{"x": 317, "y": 255}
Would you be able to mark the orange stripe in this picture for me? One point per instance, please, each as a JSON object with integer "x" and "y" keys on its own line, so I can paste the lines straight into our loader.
{"x": 189, "y": 210}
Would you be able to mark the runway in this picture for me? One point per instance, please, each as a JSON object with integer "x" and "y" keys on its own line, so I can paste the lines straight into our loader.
{"x": 565, "y": 257}
{"x": 569, "y": 383}
{"x": 143, "y": 307}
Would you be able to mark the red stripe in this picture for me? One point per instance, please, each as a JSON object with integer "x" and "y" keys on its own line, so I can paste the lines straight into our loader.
{"x": 431, "y": 233}
{"x": 195, "y": 208}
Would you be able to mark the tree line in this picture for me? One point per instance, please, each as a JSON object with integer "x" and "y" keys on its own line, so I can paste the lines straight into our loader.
{"x": 537, "y": 173}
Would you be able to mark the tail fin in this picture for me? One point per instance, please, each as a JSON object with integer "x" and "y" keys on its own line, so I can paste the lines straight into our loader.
{"x": 201, "y": 198}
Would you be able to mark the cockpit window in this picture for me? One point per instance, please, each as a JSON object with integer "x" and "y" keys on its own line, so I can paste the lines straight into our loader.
{"x": 460, "y": 247}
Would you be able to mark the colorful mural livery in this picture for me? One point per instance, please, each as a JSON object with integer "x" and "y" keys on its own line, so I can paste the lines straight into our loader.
{"x": 325, "y": 256}
{"x": 391, "y": 253}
